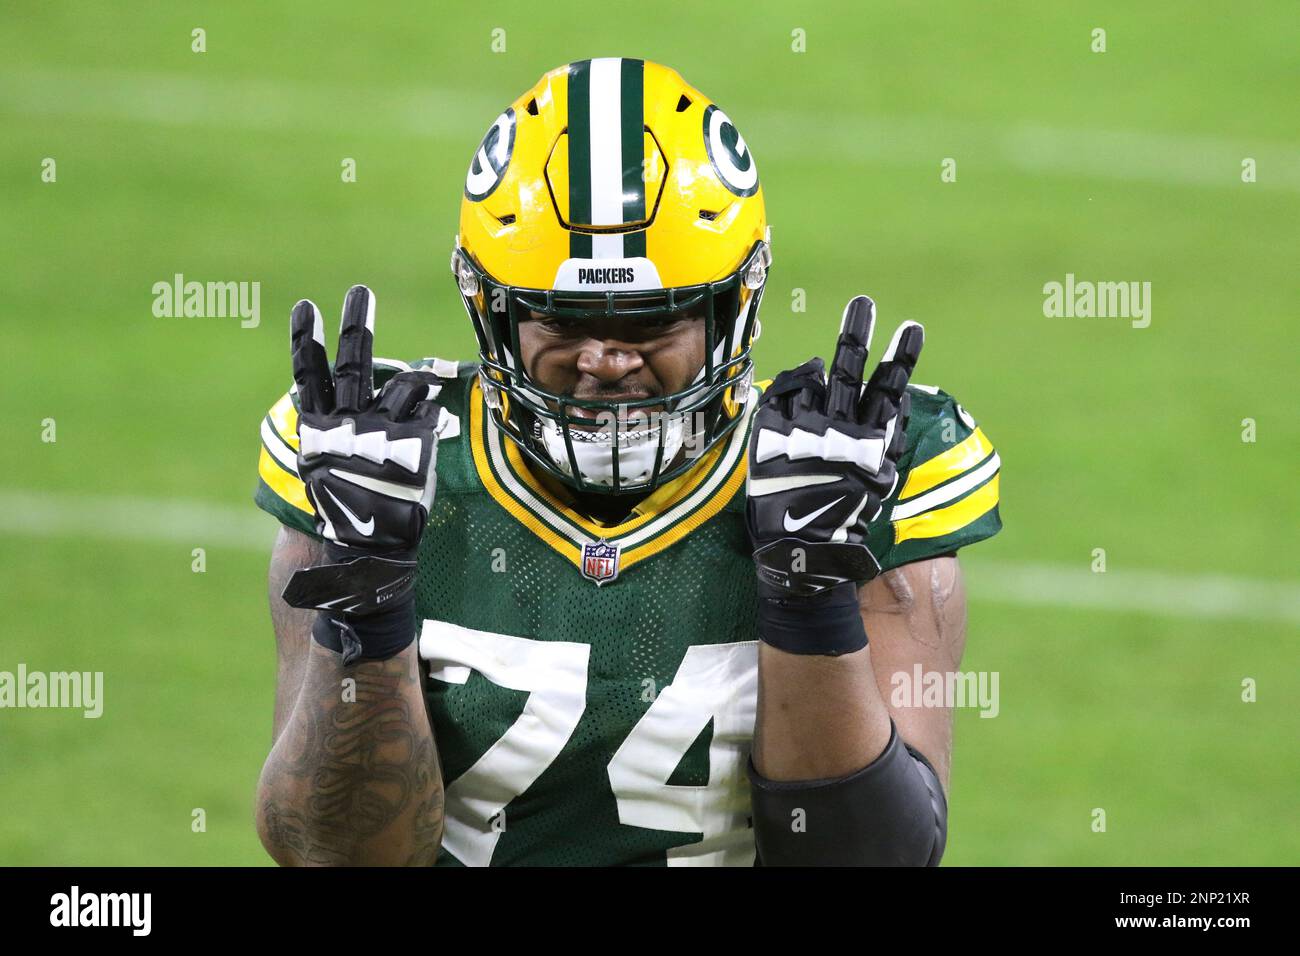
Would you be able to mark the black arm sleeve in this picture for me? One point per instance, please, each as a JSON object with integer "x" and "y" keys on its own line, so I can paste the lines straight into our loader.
{"x": 890, "y": 813}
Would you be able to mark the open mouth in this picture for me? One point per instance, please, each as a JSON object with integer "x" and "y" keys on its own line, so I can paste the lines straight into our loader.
{"x": 638, "y": 417}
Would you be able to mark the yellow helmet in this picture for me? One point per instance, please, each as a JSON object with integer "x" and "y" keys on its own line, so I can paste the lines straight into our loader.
{"x": 612, "y": 187}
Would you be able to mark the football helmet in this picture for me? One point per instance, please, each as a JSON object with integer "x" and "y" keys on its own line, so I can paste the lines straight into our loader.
{"x": 613, "y": 188}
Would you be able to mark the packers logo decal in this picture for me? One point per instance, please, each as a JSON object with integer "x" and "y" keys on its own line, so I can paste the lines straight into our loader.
{"x": 493, "y": 156}
{"x": 731, "y": 158}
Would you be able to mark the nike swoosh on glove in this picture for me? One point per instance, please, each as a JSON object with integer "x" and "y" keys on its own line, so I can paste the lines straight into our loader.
{"x": 367, "y": 460}
{"x": 823, "y": 457}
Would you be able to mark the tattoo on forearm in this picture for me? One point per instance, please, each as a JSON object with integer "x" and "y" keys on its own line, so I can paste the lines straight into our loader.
{"x": 345, "y": 772}
{"x": 428, "y": 815}
{"x": 291, "y": 831}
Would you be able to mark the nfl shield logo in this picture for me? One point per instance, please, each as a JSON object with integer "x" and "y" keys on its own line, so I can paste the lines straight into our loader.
{"x": 600, "y": 561}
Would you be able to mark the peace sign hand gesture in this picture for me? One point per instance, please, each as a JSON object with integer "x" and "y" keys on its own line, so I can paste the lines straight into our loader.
{"x": 823, "y": 457}
{"x": 367, "y": 461}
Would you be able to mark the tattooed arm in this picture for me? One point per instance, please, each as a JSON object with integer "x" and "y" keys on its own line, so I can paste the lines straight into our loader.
{"x": 353, "y": 774}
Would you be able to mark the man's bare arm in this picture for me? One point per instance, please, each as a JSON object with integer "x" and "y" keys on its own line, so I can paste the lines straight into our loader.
{"x": 916, "y": 614}
{"x": 823, "y": 717}
{"x": 353, "y": 775}
{"x": 292, "y": 550}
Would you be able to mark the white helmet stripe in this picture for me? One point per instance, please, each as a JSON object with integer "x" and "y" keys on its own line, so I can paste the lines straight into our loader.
{"x": 606, "y": 150}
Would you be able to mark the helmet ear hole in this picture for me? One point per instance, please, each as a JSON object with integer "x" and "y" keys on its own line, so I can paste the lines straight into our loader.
{"x": 532, "y": 107}
{"x": 684, "y": 103}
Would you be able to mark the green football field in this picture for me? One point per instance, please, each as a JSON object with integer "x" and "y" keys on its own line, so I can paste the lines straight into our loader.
{"x": 1167, "y": 451}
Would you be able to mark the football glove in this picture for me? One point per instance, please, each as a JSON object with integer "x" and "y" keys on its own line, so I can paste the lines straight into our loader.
{"x": 367, "y": 462}
{"x": 823, "y": 458}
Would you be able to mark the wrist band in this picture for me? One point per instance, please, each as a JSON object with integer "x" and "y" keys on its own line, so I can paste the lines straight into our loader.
{"x": 827, "y": 623}
{"x": 371, "y": 637}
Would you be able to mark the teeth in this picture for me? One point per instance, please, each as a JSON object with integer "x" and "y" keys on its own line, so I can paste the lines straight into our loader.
{"x": 605, "y": 435}
{"x": 594, "y": 448}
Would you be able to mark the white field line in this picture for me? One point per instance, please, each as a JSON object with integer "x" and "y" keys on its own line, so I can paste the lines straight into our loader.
{"x": 194, "y": 524}
{"x": 1159, "y": 593}
{"x": 458, "y": 116}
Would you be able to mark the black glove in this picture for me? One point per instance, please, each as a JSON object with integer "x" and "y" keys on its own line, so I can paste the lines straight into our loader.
{"x": 823, "y": 458}
{"x": 367, "y": 461}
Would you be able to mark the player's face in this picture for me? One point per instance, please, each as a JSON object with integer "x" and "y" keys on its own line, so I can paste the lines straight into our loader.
{"x": 620, "y": 359}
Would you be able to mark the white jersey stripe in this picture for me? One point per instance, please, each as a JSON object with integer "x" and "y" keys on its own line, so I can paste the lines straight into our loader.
{"x": 276, "y": 446}
{"x": 945, "y": 493}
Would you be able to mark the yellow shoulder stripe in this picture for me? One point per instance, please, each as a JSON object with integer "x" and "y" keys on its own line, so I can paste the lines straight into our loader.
{"x": 956, "y": 460}
{"x": 936, "y": 524}
{"x": 288, "y": 487}
{"x": 285, "y": 419}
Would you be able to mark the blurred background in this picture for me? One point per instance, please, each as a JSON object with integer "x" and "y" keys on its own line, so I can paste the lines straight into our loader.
{"x": 1120, "y": 691}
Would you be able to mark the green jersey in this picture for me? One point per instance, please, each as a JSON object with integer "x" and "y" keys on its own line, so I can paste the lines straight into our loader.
{"x": 592, "y": 689}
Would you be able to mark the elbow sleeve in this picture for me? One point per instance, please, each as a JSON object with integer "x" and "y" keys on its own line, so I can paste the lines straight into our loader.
{"x": 890, "y": 813}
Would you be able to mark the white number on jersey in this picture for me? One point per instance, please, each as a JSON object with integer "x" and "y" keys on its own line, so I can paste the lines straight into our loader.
{"x": 715, "y": 682}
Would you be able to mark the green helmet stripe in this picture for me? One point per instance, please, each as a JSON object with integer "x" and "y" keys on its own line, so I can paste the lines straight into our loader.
{"x": 580, "y": 156}
{"x": 632, "y": 95}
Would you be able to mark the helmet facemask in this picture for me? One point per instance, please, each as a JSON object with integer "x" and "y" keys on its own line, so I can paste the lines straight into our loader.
{"x": 627, "y": 450}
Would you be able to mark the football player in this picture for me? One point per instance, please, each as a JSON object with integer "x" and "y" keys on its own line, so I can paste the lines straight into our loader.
{"x": 598, "y": 597}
